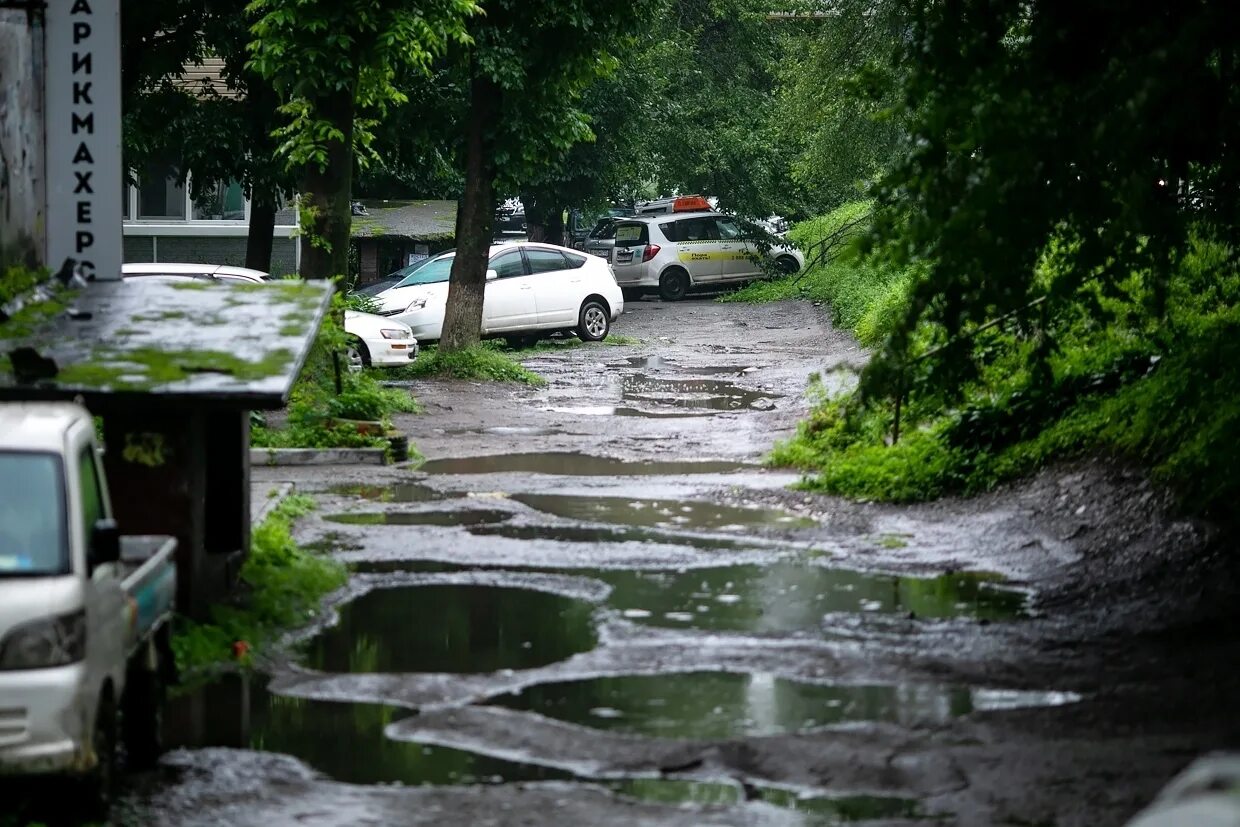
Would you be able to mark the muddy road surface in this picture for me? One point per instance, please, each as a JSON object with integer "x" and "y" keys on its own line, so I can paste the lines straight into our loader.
{"x": 594, "y": 606}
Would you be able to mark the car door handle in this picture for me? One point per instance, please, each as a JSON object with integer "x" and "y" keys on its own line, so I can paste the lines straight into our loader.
{"x": 526, "y": 287}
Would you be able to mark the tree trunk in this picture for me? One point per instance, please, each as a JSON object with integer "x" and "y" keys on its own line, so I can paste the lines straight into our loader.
{"x": 325, "y": 204}
{"x": 475, "y": 217}
{"x": 262, "y": 227}
{"x": 545, "y": 223}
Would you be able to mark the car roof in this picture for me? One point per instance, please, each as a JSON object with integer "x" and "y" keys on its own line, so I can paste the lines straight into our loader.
{"x": 37, "y": 426}
{"x": 188, "y": 269}
{"x": 660, "y": 218}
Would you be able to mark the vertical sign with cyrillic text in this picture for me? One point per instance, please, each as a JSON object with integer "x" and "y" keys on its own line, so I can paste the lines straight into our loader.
{"x": 83, "y": 104}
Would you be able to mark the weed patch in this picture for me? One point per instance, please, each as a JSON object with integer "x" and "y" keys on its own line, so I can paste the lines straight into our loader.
{"x": 282, "y": 587}
{"x": 480, "y": 362}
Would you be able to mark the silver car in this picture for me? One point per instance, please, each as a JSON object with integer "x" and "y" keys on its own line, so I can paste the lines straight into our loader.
{"x": 675, "y": 252}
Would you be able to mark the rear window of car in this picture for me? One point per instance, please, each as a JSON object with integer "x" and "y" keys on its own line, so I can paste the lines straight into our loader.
{"x": 574, "y": 260}
{"x": 631, "y": 235}
{"x": 544, "y": 261}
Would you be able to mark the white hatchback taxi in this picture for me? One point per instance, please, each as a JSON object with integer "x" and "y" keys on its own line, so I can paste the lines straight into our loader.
{"x": 532, "y": 289}
{"x": 689, "y": 246}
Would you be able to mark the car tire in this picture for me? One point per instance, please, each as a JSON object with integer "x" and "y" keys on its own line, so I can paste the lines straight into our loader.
{"x": 787, "y": 265}
{"x": 521, "y": 342}
{"x": 98, "y": 786}
{"x": 142, "y": 716}
{"x": 357, "y": 355}
{"x": 673, "y": 284}
{"x": 594, "y": 321}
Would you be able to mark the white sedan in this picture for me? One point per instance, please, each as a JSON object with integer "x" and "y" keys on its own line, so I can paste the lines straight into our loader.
{"x": 531, "y": 289}
{"x": 374, "y": 340}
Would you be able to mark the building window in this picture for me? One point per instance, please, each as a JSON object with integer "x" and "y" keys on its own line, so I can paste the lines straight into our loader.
{"x": 221, "y": 200}
{"x": 160, "y": 193}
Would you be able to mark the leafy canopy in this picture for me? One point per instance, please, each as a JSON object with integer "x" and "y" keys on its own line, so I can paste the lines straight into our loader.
{"x": 1055, "y": 151}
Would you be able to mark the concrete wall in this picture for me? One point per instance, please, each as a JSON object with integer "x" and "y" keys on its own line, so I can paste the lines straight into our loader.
{"x": 22, "y": 186}
{"x": 208, "y": 250}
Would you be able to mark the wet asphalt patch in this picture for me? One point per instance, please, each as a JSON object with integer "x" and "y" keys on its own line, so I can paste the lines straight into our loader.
{"x": 667, "y": 514}
{"x": 573, "y": 464}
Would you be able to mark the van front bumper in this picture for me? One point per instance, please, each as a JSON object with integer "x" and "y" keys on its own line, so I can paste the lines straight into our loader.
{"x": 44, "y": 717}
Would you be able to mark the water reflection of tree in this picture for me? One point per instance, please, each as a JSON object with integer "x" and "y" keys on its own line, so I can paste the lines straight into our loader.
{"x": 452, "y": 628}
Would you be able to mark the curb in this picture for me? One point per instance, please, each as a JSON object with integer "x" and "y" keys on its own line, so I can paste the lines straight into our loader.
{"x": 318, "y": 456}
{"x": 273, "y": 497}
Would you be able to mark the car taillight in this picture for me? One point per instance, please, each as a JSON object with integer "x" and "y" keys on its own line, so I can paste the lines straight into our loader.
{"x": 650, "y": 252}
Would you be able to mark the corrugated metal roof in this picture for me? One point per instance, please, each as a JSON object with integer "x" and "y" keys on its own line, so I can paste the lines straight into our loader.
{"x": 424, "y": 220}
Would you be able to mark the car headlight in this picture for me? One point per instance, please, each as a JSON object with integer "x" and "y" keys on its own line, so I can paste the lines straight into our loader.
{"x": 393, "y": 333}
{"x": 416, "y": 304}
{"x": 50, "y": 641}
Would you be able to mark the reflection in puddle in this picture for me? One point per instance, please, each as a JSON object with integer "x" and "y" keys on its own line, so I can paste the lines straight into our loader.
{"x": 819, "y": 809}
{"x": 571, "y": 464}
{"x": 345, "y": 741}
{"x": 452, "y": 628}
{"x": 659, "y": 363}
{"x": 786, "y": 597}
{"x": 697, "y": 394}
{"x": 479, "y": 516}
{"x": 660, "y": 513}
{"x": 611, "y": 410}
{"x": 405, "y": 492}
{"x": 586, "y": 534}
{"x": 720, "y": 705}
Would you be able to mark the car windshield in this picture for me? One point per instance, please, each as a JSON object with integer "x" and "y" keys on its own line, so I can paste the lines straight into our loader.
{"x": 435, "y": 270}
{"x": 32, "y": 514}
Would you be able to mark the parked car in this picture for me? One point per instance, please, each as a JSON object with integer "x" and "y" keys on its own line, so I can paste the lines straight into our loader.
{"x": 602, "y": 239}
{"x": 376, "y": 341}
{"x": 84, "y": 611}
{"x": 531, "y": 289}
{"x": 689, "y": 247}
{"x": 392, "y": 279}
{"x": 510, "y": 218}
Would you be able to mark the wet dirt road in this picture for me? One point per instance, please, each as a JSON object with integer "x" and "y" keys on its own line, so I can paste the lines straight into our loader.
{"x": 592, "y": 605}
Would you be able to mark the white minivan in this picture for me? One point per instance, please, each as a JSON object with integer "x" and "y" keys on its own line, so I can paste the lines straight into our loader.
{"x": 691, "y": 246}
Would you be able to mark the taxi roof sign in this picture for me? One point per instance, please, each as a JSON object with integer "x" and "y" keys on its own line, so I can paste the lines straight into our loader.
{"x": 690, "y": 203}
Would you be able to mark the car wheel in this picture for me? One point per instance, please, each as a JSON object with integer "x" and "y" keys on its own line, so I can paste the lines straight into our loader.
{"x": 100, "y": 783}
{"x": 521, "y": 342}
{"x": 673, "y": 285}
{"x": 787, "y": 265}
{"x": 357, "y": 355}
{"x": 594, "y": 322}
{"x": 142, "y": 716}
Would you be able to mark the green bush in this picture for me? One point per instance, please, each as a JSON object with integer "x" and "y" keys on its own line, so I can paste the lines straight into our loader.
{"x": 484, "y": 361}
{"x": 1120, "y": 379}
{"x": 283, "y": 585}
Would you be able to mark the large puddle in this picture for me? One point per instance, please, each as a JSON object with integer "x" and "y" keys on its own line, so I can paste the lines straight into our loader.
{"x": 819, "y": 810}
{"x": 593, "y": 535}
{"x": 660, "y": 363}
{"x": 452, "y": 628}
{"x": 708, "y": 395}
{"x": 572, "y": 464}
{"x": 460, "y": 517}
{"x": 342, "y": 740}
{"x": 667, "y": 514}
{"x": 721, "y": 705}
{"x": 787, "y": 597}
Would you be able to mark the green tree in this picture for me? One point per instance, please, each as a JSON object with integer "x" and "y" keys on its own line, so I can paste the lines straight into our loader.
{"x": 333, "y": 63}
{"x": 1091, "y": 138}
{"x": 525, "y": 72}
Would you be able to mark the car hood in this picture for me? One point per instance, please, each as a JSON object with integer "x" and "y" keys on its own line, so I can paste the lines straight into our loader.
{"x": 368, "y": 325}
{"x": 398, "y": 298}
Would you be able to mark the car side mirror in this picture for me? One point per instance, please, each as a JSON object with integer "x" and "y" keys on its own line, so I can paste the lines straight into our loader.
{"x": 492, "y": 275}
{"x": 105, "y": 543}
